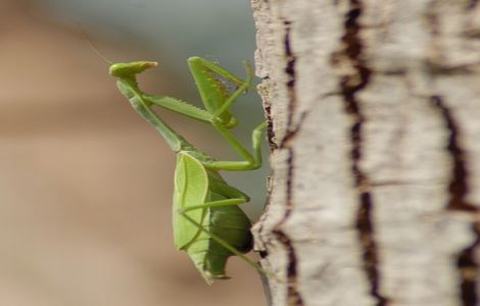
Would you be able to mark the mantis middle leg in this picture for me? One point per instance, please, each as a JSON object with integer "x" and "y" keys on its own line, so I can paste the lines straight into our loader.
{"x": 250, "y": 161}
{"x": 222, "y": 242}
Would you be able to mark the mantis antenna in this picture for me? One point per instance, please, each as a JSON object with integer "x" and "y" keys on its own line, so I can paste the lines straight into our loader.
{"x": 94, "y": 48}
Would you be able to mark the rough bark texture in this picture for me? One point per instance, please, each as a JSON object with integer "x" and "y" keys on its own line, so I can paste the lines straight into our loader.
{"x": 374, "y": 111}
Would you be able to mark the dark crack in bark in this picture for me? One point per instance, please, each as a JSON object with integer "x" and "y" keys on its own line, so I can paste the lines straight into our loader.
{"x": 291, "y": 75}
{"x": 293, "y": 131}
{"x": 270, "y": 134}
{"x": 458, "y": 189}
{"x": 290, "y": 71}
{"x": 294, "y": 297}
{"x": 351, "y": 84}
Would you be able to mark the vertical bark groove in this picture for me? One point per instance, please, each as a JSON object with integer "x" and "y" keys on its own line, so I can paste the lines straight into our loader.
{"x": 458, "y": 189}
{"x": 351, "y": 85}
{"x": 294, "y": 297}
{"x": 291, "y": 75}
{"x": 270, "y": 134}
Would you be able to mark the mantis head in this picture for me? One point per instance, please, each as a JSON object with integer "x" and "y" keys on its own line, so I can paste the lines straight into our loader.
{"x": 128, "y": 69}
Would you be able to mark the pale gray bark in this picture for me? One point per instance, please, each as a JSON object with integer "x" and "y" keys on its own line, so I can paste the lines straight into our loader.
{"x": 374, "y": 110}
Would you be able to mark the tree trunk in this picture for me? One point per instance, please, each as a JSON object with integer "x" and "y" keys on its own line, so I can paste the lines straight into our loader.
{"x": 374, "y": 128}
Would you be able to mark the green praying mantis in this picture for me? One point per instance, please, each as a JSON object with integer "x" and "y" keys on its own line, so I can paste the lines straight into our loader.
{"x": 207, "y": 222}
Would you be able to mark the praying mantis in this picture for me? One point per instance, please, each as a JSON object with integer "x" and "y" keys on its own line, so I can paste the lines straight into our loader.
{"x": 207, "y": 222}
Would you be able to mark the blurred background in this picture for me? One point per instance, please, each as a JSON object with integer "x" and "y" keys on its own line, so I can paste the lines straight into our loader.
{"x": 85, "y": 183}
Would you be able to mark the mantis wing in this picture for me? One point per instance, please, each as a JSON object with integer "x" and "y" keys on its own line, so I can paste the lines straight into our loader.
{"x": 191, "y": 188}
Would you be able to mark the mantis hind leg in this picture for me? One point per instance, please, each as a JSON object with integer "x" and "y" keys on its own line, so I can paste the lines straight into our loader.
{"x": 215, "y": 204}
{"x": 222, "y": 242}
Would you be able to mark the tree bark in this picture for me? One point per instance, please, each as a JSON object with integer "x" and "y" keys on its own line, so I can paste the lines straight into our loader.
{"x": 374, "y": 130}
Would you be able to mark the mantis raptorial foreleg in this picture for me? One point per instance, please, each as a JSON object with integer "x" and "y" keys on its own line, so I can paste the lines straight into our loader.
{"x": 199, "y": 65}
{"x": 241, "y": 90}
{"x": 191, "y": 111}
{"x": 250, "y": 162}
{"x": 179, "y": 106}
